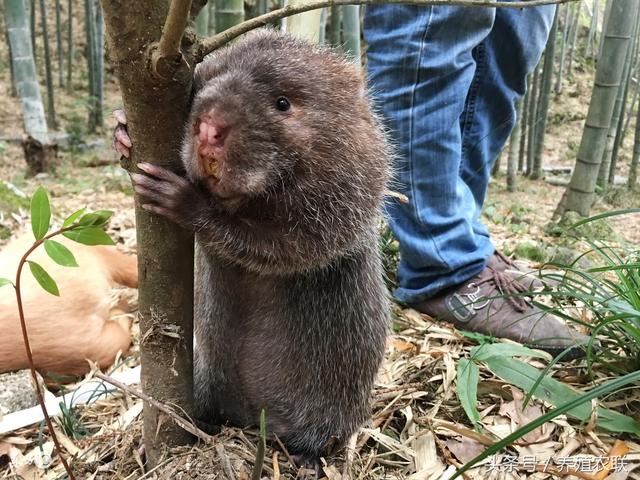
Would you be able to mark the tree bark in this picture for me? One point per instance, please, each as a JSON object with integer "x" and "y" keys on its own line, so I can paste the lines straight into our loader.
{"x": 615, "y": 42}
{"x": 157, "y": 108}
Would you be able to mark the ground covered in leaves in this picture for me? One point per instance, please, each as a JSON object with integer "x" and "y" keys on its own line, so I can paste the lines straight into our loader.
{"x": 420, "y": 427}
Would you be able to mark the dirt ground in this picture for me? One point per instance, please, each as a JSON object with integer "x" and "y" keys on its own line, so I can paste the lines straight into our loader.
{"x": 418, "y": 429}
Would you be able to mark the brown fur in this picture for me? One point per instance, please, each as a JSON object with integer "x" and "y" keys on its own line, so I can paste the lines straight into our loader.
{"x": 290, "y": 307}
{"x": 68, "y": 330}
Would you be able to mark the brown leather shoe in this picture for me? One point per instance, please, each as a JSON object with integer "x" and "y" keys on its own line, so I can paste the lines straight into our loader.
{"x": 492, "y": 303}
{"x": 531, "y": 278}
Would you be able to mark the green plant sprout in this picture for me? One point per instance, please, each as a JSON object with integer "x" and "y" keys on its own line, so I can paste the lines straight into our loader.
{"x": 80, "y": 226}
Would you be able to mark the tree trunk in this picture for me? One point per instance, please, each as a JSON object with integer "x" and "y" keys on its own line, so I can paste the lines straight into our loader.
{"x": 545, "y": 95}
{"x": 157, "y": 108}
{"x": 351, "y": 31}
{"x": 615, "y": 42}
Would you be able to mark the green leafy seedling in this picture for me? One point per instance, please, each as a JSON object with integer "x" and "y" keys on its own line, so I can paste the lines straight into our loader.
{"x": 40, "y": 213}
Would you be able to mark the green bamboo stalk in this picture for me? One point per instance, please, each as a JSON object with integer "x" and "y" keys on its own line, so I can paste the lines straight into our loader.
{"x": 335, "y": 26}
{"x": 51, "y": 109}
{"x": 524, "y": 126}
{"x": 32, "y": 14}
{"x": 263, "y": 7}
{"x": 202, "y": 22}
{"x": 605, "y": 164}
{"x": 545, "y": 94}
{"x": 634, "y": 99}
{"x": 497, "y": 164}
{"x": 635, "y": 158}
{"x": 605, "y": 21}
{"x": 533, "y": 117}
{"x": 616, "y": 40}
{"x": 323, "y": 27}
{"x": 514, "y": 144}
{"x": 574, "y": 35}
{"x": 91, "y": 68}
{"x": 563, "y": 49}
{"x": 99, "y": 64}
{"x": 589, "y": 48}
{"x": 69, "y": 44}
{"x": 59, "y": 47}
{"x": 634, "y": 79}
{"x": 351, "y": 31}
{"x": 212, "y": 16}
{"x": 228, "y": 14}
{"x": 14, "y": 92}
{"x": 24, "y": 66}
{"x": 304, "y": 25}
{"x": 620, "y": 109}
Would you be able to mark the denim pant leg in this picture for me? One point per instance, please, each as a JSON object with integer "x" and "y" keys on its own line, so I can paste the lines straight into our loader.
{"x": 503, "y": 60}
{"x": 421, "y": 68}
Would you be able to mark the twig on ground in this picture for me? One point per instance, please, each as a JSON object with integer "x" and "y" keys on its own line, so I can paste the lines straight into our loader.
{"x": 181, "y": 422}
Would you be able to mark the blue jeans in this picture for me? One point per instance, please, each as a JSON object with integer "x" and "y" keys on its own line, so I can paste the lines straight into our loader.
{"x": 446, "y": 80}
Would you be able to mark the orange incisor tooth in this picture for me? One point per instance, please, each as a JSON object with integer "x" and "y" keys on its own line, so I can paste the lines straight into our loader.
{"x": 210, "y": 166}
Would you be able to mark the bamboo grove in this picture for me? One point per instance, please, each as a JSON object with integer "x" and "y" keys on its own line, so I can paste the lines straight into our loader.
{"x": 66, "y": 45}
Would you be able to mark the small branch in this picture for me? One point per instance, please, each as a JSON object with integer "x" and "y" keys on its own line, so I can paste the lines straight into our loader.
{"x": 181, "y": 422}
{"x": 208, "y": 45}
{"x": 166, "y": 55}
{"x": 27, "y": 346}
{"x": 174, "y": 27}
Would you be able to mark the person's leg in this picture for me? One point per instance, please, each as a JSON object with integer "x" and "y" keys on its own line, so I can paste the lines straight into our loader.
{"x": 447, "y": 78}
{"x": 504, "y": 59}
{"x": 421, "y": 67}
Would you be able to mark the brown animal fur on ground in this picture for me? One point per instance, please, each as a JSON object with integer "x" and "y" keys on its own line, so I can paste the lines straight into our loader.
{"x": 68, "y": 330}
